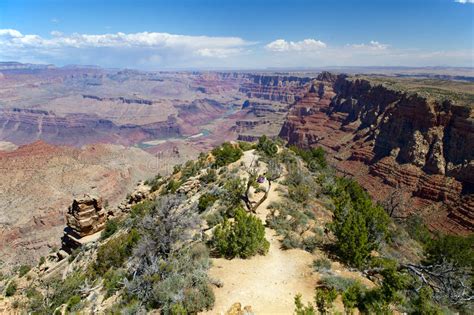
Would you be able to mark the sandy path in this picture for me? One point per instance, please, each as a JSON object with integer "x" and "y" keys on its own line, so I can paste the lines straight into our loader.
{"x": 268, "y": 283}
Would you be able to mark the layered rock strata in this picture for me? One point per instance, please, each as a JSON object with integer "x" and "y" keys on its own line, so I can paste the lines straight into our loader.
{"x": 86, "y": 216}
{"x": 393, "y": 138}
{"x": 286, "y": 89}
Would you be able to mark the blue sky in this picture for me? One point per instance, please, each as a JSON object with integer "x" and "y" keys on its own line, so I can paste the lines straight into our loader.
{"x": 238, "y": 33}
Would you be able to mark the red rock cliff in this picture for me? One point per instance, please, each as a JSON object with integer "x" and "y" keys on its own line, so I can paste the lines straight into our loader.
{"x": 390, "y": 140}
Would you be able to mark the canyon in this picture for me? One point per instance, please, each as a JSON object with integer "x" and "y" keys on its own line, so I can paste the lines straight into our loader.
{"x": 66, "y": 132}
{"x": 389, "y": 140}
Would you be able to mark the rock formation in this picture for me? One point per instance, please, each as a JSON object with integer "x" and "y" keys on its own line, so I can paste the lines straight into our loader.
{"x": 286, "y": 89}
{"x": 387, "y": 136}
{"x": 85, "y": 217}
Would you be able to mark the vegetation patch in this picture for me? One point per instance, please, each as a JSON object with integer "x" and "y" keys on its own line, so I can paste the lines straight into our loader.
{"x": 358, "y": 224}
{"x": 154, "y": 183}
{"x": 169, "y": 270}
{"x": 243, "y": 237}
{"x": 114, "y": 253}
{"x": 226, "y": 154}
{"x": 206, "y": 200}
{"x": 110, "y": 228}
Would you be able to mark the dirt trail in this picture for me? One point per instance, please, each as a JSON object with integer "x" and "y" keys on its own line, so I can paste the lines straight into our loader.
{"x": 268, "y": 283}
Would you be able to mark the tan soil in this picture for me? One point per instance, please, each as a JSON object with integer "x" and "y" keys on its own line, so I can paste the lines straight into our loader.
{"x": 268, "y": 283}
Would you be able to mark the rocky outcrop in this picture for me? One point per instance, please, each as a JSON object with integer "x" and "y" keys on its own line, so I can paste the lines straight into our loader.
{"x": 86, "y": 216}
{"x": 285, "y": 89}
{"x": 423, "y": 145}
{"x": 119, "y": 99}
{"x": 247, "y": 138}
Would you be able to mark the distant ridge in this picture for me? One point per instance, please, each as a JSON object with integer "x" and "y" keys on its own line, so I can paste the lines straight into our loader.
{"x": 14, "y": 65}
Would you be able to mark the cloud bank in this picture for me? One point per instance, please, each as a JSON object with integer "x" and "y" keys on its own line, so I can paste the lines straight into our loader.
{"x": 143, "y": 47}
{"x": 153, "y": 50}
{"x": 464, "y": 1}
{"x": 309, "y": 44}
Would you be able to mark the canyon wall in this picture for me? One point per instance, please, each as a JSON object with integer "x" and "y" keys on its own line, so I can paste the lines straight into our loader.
{"x": 285, "y": 89}
{"x": 268, "y": 98}
{"x": 392, "y": 140}
{"x": 22, "y": 126}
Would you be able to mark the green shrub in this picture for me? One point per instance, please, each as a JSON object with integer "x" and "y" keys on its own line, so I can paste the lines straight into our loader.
{"x": 301, "y": 309}
{"x": 126, "y": 306}
{"x": 358, "y": 224}
{"x": 299, "y": 193}
{"x": 301, "y": 185}
{"x": 322, "y": 264}
{"x": 205, "y": 201}
{"x": 209, "y": 177}
{"x": 23, "y": 270}
{"x": 310, "y": 243}
{"x": 214, "y": 219}
{"x": 417, "y": 230}
{"x": 168, "y": 266}
{"x": 244, "y": 237}
{"x": 190, "y": 169}
{"x": 113, "y": 281}
{"x": 246, "y": 146}
{"x": 182, "y": 274}
{"x": 73, "y": 302}
{"x": 351, "y": 297}
{"x": 35, "y": 300}
{"x": 176, "y": 169}
{"x": 11, "y": 288}
{"x": 110, "y": 228}
{"x": 315, "y": 158}
{"x": 234, "y": 189}
{"x": 154, "y": 183}
{"x": 140, "y": 209}
{"x": 454, "y": 249}
{"x": 172, "y": 186}
{"x": 376, "y": 300}
{"x": 324, "y": 299}
{"x": 267, "y": 146}
{"x": 338, "y": 283}
{"x": 115, "y": 252}
{"x": 292, "y": 220}
{"x": 423, "y": 303}
{"x": 60, "y": 291}
{"x": 290, "y": 241}
{"x": 226, "y": 154}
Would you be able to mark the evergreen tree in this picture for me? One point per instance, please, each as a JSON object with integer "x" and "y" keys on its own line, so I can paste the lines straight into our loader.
{"x": 243, "y": 237}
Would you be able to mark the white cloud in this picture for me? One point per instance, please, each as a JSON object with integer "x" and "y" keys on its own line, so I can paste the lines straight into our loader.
{"x": 306, "y": 45}
{"x": 464, "y": 1}
{"x": 163, "y": 47}
{"x": 373, "y": 53}
{"x": 13, "y": 38}
{"x": 152, "y": 50}
{"x": 373, "y": 45}
{"x": 9, "y": 33}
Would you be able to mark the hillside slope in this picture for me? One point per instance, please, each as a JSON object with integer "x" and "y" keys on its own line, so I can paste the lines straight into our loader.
{"x": 390, "y": 139}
